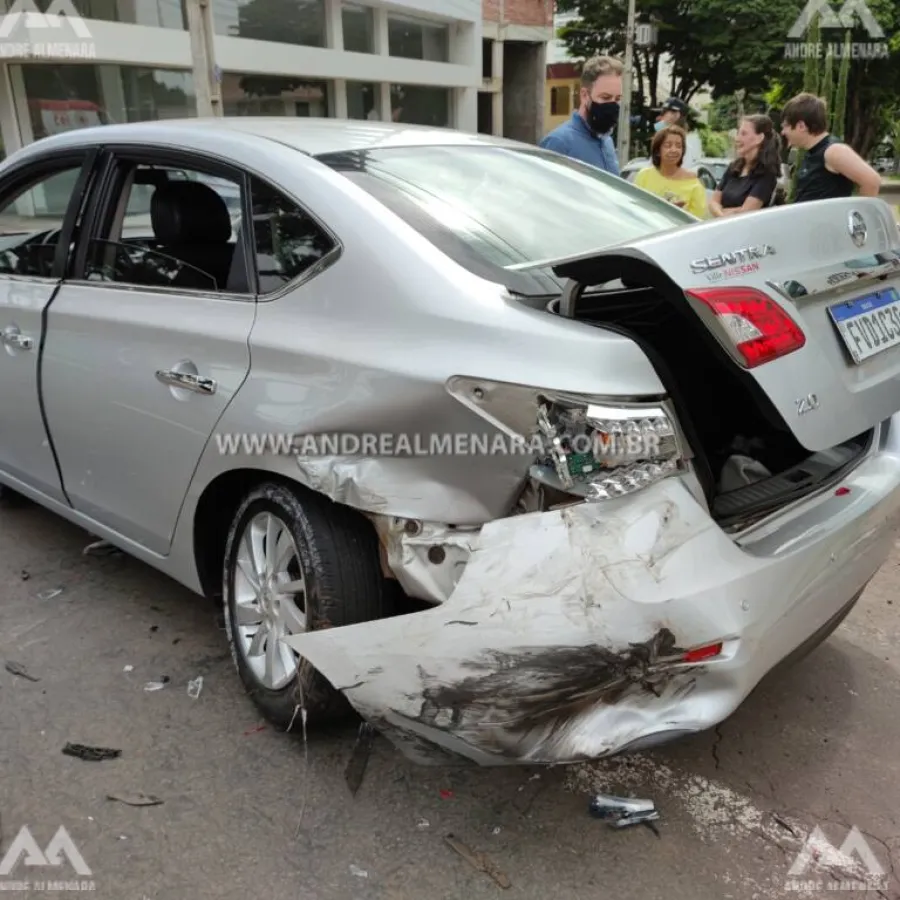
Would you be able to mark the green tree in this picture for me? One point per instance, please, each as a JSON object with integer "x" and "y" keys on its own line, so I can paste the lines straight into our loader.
{"x": 709, "y": 42}
{"x": 839, "y": 111}
{"x": 811, "y": 70}
{"x": 827, "y": 91}
{"x": 868, "y": 83}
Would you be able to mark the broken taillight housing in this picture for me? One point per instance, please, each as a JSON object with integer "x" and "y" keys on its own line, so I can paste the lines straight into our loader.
{"x": 586, "y": 446}
{"x": 601, "y": 451}
{"x": 757, "y": 327}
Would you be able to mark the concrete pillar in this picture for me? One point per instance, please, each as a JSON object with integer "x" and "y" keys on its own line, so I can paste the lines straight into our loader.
{"x": 338, "y": 105}
{"x": 465, "y": 102}
{"x": 334, "y": 25}
{"x": 540, "y": 90}
{"x": 206, "y": 82}
{"x": 9, "y": 115}
{"x": 497, "y": 96}
{"x": 20, "y": 99}
{"x": 382, "y": 48}
{"x": 113, "y": 93}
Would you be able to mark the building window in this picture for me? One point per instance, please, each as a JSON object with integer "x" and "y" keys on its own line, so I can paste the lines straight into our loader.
{"x": 359, "y": 28}
{"x": 280, "y": 21}
{"x": 362, "y": 100}
{"x": 271, "y": 95}
{"x": 418, "y": 105}
{"x": 418, "y": 39}
{"x": 155, "y": 13}
{"x": 61, "y": 98}
{"x": 560, "y": 101}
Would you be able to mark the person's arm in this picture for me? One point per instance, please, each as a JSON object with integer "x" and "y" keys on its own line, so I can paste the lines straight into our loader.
{"x": 556, "y": 143}
{"x": 715, "y": 204}
{"x": 844, "y": 160}
{"x": 696, "y": 204}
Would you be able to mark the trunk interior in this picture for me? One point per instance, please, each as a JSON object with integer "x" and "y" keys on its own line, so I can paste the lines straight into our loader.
{"x": 747, "y": 460}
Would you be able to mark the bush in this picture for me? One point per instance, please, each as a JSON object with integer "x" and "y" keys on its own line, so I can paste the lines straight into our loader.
{"x": 715, "y": 143}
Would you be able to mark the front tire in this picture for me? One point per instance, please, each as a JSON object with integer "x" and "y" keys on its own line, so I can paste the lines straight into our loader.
{"x": 295, "y": 562}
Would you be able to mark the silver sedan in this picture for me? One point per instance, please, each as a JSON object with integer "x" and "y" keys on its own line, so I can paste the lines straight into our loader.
{"x": 516, "y": 460}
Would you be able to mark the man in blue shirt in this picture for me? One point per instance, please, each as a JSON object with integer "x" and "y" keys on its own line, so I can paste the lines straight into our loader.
{"x": 587, "y": 136}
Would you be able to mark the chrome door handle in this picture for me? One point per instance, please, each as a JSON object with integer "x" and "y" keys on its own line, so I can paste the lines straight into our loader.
{"x": 13, "y": 338}
{"x": 197, "y": 383}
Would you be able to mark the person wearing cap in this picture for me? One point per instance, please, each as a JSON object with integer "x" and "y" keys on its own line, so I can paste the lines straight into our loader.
{"x": 675, "y": 112}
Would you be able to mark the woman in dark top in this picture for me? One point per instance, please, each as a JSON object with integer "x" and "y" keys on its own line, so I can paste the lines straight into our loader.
{"x": 749, "y": 182}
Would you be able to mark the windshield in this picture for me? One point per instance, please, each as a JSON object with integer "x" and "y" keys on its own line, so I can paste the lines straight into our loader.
{"x": 508, "y": 206}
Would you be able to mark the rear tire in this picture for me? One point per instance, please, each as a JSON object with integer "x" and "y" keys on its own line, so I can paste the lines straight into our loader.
{"x": 320, "y": 568}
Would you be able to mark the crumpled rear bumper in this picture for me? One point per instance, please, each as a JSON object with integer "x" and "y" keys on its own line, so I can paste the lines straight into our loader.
{"x": 564, "y": 636}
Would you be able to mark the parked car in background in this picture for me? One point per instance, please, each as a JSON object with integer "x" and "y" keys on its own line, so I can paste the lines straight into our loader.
{"x": 522, "y": 463}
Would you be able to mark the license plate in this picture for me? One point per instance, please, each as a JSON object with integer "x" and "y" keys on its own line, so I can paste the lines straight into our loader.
{"x": 868, "y": 325}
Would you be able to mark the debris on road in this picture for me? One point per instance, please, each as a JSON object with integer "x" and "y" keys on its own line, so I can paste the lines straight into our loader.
{"x": 49, "y": 595}
{"x": 128, "y": 669}
{"x": 255, "y": 730}
{"x": 446, "y": 794}
{"x": 25, "y": 575}
{"x": 478, "y": 861}
{"x": 91, "y": 754}
{"x": 20, "y": 671}
{"x": 135, "y": 799}
{"x": 195, "y": 686}
{"x": 620, "y": 812}
{"x": 358, "y": 872}
{"x": 359, "y": 758}
{"x": 157, "y": 685}
{"x": 423, "y": 824}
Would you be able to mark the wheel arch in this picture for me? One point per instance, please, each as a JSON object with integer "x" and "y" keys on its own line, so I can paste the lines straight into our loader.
{"x": 214, "y": 512}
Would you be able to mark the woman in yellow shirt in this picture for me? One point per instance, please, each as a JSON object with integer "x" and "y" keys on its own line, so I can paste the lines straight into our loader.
{"x": 667, "y": 178}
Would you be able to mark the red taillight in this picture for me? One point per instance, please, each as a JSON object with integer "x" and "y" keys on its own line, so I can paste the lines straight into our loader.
{"x": 698, "y": 654}
{"x": 757, "y": 326}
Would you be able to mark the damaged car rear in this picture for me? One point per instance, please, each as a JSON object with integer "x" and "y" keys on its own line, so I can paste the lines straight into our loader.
{"x": 622, "y": 601}
{"x": 517, "y": 460}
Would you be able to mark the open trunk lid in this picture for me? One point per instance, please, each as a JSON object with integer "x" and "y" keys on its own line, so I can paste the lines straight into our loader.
{"x": 804, "y": 299}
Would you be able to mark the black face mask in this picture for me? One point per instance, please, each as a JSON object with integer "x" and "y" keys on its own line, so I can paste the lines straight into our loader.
{"x": 603, "y": 117}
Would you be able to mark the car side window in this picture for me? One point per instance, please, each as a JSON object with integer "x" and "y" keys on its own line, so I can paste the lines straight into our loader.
{"x": 171, "y": 227}
{"x": 30, "y": 223}
{"x": 288, "y": 241}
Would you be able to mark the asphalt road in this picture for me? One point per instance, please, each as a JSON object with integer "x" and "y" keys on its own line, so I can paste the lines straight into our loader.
{"x": 250, "y": 813}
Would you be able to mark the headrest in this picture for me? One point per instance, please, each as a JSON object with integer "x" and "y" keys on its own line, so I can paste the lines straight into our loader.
{"x": 189, "y": 212}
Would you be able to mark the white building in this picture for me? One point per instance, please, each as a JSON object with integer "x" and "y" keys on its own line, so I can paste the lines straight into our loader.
{"x": 417, "y": 61}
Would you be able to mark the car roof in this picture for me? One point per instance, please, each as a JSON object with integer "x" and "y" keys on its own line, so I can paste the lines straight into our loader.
{"x": 314, "y": 136}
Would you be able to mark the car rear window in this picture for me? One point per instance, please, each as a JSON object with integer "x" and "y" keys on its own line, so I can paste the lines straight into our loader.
{"x": 506, "y": 206}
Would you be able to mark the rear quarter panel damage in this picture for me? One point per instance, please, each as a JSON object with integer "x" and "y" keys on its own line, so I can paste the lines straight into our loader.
{"x": 560, "y": 641}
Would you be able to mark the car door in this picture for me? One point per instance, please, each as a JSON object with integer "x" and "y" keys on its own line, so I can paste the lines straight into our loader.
{"x": 40, "y": 203}
{"x": 148, "y": 340}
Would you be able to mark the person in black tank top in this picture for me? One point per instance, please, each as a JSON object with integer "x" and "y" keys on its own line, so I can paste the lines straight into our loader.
{"x": 830, "y": 168}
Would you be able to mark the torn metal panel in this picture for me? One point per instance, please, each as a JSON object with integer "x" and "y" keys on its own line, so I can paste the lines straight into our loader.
{"x": 561, "y": 640}
{"x": 556, "y": 615}
{"x": 426, "y": 558}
